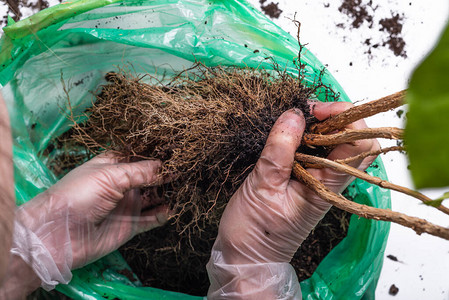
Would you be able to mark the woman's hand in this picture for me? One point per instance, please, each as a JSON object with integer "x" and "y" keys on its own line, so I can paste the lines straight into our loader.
{"x": 271, "y": 214}
{"x": 90, "y": 212}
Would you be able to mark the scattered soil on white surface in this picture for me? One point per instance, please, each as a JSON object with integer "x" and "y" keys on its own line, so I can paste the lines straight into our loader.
{"x": 394, "y": 290}
{"x": 358, "y": 12}
{"x": 392, "y": 257}
{"x": 361, "y": 12}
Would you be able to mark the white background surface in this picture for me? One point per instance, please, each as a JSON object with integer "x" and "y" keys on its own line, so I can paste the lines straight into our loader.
{"x": 422, "y": 271}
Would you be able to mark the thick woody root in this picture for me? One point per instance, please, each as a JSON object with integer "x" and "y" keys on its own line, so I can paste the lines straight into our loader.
{"x": 418, "y": 225}
{"x": 341, "y": 167}
{"x": 319, "y": 137}
{"x": 319, "y": 132}
{"x": 359, "y": 112}
{"x": 351, "y": 135}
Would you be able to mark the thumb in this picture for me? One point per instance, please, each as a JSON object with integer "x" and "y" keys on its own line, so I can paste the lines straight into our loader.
{"x": 153, "y": 218}
{"x": 275, "y": 164}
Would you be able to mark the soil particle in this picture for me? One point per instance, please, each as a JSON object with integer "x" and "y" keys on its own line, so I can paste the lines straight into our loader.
{"x": 271, "y": 9}
{"x": 363, "y": 13}
{"x": 358, "y": 12}
{"x": 392, "y": 257}
{"x": 393, "y": 26}
{"x": 399, "y": 113}
{"x": 394, "y": 290}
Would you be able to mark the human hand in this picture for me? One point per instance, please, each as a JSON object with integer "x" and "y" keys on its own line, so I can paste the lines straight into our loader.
{"x": 271, "y": 214}
{"x": 90, "y": 212}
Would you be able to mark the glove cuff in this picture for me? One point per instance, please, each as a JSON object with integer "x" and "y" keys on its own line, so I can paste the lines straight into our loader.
{"x": 251, "y": 281}
{"x": 30, "y": 248}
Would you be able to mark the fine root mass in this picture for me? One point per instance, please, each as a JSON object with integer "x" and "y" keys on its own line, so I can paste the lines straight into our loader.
{"x": 208, "y": 126}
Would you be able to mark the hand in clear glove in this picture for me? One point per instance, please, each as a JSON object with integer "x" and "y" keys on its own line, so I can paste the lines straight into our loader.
{"x": 90, "y": 212}
{"x": 271, "y": 214}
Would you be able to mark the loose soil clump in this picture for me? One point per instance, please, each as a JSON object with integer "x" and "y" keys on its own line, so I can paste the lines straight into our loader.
{"x": 208, "y": 126}
{"x": 361, "y": 12}
{"x": 271, "y": 9}
{"x": 395, "y": 42}
{"x": 358, "y": 12}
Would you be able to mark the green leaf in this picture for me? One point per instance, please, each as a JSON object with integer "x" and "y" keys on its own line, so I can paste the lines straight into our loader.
{"x": 427, "y": 128}
{"x": 437, "y": 202}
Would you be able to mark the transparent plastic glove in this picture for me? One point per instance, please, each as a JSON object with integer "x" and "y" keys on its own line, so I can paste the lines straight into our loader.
{"x": 90, "y": 212}
{"x": 271, "y": 214}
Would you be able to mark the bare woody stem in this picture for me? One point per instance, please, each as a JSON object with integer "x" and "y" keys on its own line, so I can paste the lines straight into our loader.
{"x": 417, "y": 224}
{"x": 359, "y": 112}
{"x": 351, "y": 135}
{"x": 368, "y": 178}
{"x": 370, "y": 153}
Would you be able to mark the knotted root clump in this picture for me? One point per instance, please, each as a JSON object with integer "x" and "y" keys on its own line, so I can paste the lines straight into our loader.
{"x": 208, "y": 126}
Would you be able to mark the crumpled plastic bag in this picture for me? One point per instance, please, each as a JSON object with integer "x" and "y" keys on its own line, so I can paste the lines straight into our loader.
{"x": 65, "y": 51}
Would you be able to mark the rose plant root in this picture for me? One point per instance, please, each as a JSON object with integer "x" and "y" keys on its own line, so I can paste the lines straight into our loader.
{"x": 208, "y": 126}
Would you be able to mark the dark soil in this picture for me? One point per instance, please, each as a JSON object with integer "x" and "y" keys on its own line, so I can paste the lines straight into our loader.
{"x": 358, "y": 12}
{"x": 392, "y": 257}
{"x": 271, "y": 9}
{"x": 394, "y": 290}
{"x": 361, "y": 12}
{"x": 393, "y": 26}
{"x": 162, "y": 268}
{"x": 331, "y": 230}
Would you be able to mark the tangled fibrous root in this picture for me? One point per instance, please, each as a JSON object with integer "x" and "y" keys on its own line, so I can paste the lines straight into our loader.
{"x": 207, "y": 125}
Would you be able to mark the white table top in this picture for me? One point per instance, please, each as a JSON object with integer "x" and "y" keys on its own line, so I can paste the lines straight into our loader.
{"x": 422, "y": 269}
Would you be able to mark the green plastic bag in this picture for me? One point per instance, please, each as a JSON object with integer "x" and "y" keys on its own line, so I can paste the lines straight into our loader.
{"x": 67, "y": 49}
